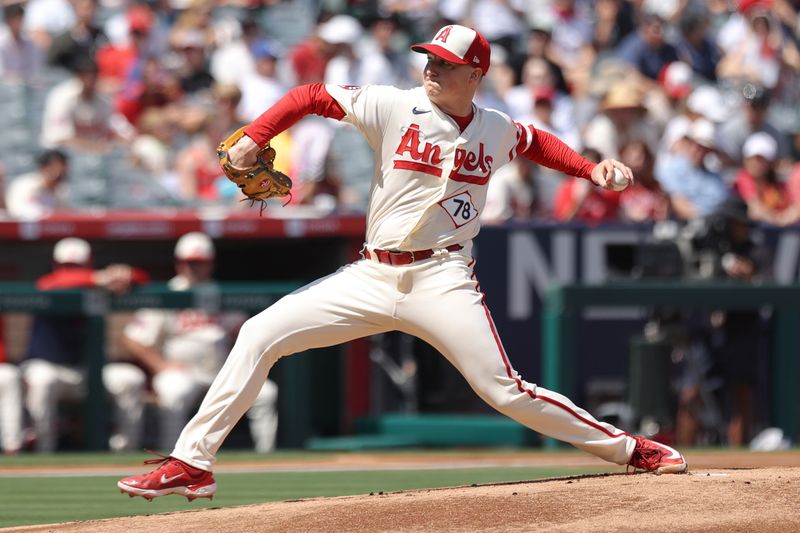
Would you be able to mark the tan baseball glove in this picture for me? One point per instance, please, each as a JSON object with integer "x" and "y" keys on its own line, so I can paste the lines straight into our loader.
{"x": 260, "y": 181}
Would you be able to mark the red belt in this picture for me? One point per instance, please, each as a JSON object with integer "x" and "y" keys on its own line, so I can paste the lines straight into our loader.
{"x": 394, "y": 257}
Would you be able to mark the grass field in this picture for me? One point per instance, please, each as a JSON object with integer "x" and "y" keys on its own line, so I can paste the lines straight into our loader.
{"x": 32, "y": 494}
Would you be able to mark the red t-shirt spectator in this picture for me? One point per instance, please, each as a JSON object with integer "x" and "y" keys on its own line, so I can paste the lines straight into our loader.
{"x": 579, "y": 200}
{"x": 309, "y": 63}
{"x": 773, "y": 195}
{"x": 641, "y": 204}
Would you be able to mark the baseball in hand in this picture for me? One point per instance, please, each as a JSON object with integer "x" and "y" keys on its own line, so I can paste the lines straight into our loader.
{"x": 618, "y": 182}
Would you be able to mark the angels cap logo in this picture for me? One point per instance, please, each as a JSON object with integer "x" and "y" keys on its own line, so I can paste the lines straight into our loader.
{"x": 443, "y": 34}
{"x": 455, "y": 44}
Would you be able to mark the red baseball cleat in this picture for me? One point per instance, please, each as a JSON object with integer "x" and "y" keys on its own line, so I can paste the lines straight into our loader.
{"x": 652, "y": 456}
{"x": 172, "y": 477}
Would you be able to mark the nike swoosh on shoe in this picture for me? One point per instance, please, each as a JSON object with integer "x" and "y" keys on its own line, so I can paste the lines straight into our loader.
{"x": 165, "y": 479}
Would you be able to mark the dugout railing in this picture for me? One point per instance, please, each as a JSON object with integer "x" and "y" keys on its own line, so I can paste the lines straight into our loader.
{"x": 96, "y": 304}
{"x": 563, "y": 306}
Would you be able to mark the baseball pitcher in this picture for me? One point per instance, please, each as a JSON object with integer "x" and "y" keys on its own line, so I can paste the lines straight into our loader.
{"x": 435, "y": 152}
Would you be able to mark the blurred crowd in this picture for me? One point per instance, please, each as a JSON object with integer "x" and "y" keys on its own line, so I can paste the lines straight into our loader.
{"x": 121, "y": 104}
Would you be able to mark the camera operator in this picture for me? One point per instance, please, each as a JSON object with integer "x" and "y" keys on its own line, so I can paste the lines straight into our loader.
{"x": 722, "y": 246}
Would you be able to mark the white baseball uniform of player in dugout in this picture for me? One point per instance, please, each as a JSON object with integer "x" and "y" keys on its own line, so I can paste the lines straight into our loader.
{"x": 435, "y": 152}
{"x": 185, "y": 348}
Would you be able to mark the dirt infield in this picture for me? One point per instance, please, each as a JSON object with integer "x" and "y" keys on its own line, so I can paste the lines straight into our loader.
{"x": 724, "y": 492}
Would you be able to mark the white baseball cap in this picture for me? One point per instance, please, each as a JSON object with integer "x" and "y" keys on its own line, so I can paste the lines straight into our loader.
{"x": 708, "y": 101}
{"x": 762, "y": 144}
{"x": 676, "y": 79}
{"x": 194, "y": 246}
{"x": 72, "y": 250}
{"x": 340, "y": 29}
{"x": 459, "y": 45}
{"x": 701, "y": 131}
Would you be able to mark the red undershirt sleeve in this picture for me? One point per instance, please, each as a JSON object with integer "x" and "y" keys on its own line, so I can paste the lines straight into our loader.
{"x": 81, "y": 277}
{"x": 66, "y": 278}
{"x": 295, "y": 104}
{"x": 548, "y": 150}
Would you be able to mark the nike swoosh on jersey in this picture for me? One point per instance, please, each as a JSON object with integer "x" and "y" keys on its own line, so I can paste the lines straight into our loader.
{"x": 165, "y": 479}
{"x": 419, "y": 111}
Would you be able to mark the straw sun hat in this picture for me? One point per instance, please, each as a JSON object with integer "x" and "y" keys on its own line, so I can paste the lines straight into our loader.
{"x": 622, "y": 95}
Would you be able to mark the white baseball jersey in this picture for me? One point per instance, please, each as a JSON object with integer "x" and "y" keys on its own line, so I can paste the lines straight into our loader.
{"x": 428, "y": 191}
{"x": 194, "y": 337}
{"x": 416, "y": 145}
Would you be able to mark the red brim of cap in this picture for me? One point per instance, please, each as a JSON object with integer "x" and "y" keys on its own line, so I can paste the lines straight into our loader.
{"x": 195, "y": 258}
{"x": 439, "y": 51}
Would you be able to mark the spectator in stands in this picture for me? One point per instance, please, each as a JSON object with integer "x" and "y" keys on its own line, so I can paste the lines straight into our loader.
{"x": 261, "y": 88}
{"x": 585, "y": 204}
{"x": 54, "y": 367}
{"x": 83, "y": 39}
{"x": 311, "y": 139}
{"x": 644, "y": 201}
{"x": 695, "y": 46}
{"x": 500, "y": 21}
{"x": 197, "y": 164}
{"x": 614, "y": 21}
{"x": 511, "y": 195}
{"x": 152, "y": 87}
{"x": 46, "y": 18}
{"x": 381, "y": 42}
{"x": 20, "y": 58}
{"x": 118, "y": 60}
{"x": 38, "y": 194}
{"x": 753, "y": 45}
{"x": 676, "y": 81}
{"x": 754, "y": 118}
{"x": 542, "y": 118}
{"x": 647, "y": 49}
{"x": 309, "y": 59}
{"x": 151, "y": 20}
{"x": 793, "y": 185}
{"x": 539, "y": 44}
{"x": 572, "y": 31}
{"x": 183, "y": 350}
{"x": 539, "y": 78}
{"x": 546, "y": 181}
{"x": 420, "y": 16}
{"x": 227, "y": 99}
{"x": 231, "y": 61}
{"x": 622, "y": 119}
{"x": 152, "y": 149}
{"x": 704, "y": 101}
{"x": 694, "y": 189}
{"x": 758, "y": 184}
{"x": 76, "y": 114}
{"x": 197, "y": 15}
{"x": 192, "y": 69}
{"x": 351, "y": 62}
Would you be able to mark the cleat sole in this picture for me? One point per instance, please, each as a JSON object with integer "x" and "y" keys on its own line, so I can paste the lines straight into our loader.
{"x": 207, "y": 491}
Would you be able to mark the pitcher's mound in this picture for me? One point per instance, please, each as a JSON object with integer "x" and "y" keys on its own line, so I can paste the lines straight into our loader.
{"x": 761, "y": 500}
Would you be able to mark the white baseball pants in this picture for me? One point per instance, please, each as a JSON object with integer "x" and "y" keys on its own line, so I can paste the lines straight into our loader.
{"x": 48, "y": 384}
{"x": 10, "y": 408}
{"x": 437, "y": 300}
